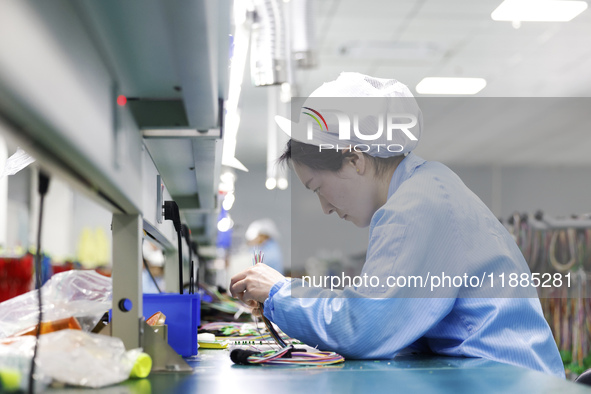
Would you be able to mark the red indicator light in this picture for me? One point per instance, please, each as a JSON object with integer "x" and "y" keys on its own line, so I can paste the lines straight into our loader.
{"x": 121, "y": 100}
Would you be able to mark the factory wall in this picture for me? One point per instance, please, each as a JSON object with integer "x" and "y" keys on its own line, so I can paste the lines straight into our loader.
{"x": 67, "y": 213}
{"x": 557, "y": 191}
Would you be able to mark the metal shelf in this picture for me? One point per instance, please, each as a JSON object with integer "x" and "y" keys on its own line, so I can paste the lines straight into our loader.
{"x": 62, "y": 66}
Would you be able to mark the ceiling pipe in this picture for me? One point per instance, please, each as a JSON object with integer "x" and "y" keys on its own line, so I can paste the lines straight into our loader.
{"x": 303, "y": 35}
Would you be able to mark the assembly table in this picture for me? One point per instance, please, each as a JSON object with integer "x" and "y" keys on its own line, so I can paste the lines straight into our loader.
{"x": 213, "y": 372}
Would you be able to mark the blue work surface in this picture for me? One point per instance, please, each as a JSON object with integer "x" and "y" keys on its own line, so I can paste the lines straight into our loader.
{"x": 215, "y": 373}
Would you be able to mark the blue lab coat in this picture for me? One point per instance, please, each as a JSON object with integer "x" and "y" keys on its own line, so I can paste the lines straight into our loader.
{"x": 431, "y": 224}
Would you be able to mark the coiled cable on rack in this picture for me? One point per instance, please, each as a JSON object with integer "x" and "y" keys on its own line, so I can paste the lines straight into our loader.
{"x": 560, "y": 267}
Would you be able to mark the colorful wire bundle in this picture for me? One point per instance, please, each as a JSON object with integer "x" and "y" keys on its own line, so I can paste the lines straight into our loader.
{"x": 239, "y": 332}
{"x": 287, "y": 354}
{"x": 258, "y": 257}
{"x": 273, "y": 357}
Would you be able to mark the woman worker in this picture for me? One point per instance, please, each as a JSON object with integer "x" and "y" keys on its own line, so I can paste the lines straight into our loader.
{"x": 422, "y": 220}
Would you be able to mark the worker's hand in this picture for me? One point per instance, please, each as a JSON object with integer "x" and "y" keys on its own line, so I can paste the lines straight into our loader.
{"x": 255, "y": 283}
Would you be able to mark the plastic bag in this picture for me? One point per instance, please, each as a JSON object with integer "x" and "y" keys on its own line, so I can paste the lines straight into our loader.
{"x": 85, "y": 295}
{"x": 16, "y": 162}
{"x": 85, "y": 359}
{"x": 73, "y": 357}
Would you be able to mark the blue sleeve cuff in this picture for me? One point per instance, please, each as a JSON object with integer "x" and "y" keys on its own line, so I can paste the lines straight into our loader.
{"x": 268, "y": 306}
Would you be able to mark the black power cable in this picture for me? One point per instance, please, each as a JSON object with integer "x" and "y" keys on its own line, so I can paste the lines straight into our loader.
{"x": 180, "y": 249}
{"x": 187, "y": 236}
{"x": 200, "y": 262}
{"x": 42, "y": 189}
{"x": 171, "y": 212}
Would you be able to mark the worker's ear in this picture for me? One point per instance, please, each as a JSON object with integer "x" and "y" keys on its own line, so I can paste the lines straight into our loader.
{"x": 357, "y": 160}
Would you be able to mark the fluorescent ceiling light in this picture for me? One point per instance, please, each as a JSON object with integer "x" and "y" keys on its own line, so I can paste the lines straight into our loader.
{"x": 538, "y": 10}
{"x": 433, "y": 85}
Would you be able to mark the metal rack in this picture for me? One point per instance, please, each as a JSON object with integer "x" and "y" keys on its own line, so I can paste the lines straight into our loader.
{"x": 62, "y": 67}
{"x": 566, "y": 308}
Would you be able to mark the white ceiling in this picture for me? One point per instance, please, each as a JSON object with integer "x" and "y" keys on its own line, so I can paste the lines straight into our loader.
{"x": 540, "y": 59}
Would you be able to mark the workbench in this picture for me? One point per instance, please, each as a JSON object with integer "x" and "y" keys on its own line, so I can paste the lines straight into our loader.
{"x": 213, "y": 372}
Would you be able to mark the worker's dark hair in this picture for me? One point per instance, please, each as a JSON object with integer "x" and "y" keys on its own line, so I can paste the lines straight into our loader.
{"x": 329, "y": 159}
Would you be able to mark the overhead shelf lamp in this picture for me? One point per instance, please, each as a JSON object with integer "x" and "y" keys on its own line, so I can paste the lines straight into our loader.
{"x": 228, "y": 202}
{"x": 225, "y": 224}
{"x": 242, "y": 20}
{"x": 282, "y": 183}
{"x": 226, "y": 189}
{"x": 271, "y": 183}
{"x": 276, "y": 140}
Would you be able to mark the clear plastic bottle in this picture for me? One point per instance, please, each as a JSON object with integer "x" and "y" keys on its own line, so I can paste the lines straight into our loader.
{"x": 14, "y": 374}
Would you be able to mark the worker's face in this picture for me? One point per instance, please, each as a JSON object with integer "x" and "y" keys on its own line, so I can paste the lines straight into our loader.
{"x": 350, "y": 194}
{"x": 259, "y": 240}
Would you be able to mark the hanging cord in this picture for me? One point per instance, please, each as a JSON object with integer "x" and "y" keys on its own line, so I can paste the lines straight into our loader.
{"x": 526, "y": 237}
{"x": 535, "y": 249}
{"x": 580, "y": 248}
{"x": 584, "y": 248}
{"x": 515, "y": 222}
{"x": 200, "y": 262}
{"x": 570, "y": 234}
{"x": 187, "y": 235}
{"x": 42, "y": 189}
{"x": 180, "y": 251}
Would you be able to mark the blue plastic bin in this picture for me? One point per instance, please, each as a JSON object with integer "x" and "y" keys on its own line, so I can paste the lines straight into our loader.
{"x": 182, "y": 318}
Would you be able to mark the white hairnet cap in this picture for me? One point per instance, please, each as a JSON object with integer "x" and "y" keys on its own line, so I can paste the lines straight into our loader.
{"x": 356, "y": 85}
{"x": 261, "y": 227}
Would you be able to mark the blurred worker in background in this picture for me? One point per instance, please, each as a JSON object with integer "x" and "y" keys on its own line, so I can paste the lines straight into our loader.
{"x": 153, "y": 268}
{"x": 261, "y": 235}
